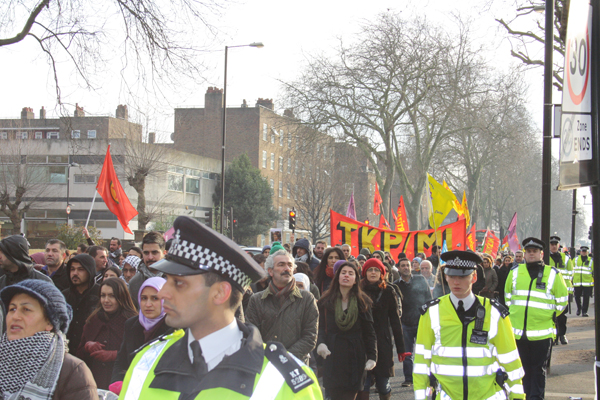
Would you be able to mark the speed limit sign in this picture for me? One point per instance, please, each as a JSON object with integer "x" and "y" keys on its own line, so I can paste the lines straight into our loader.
{"x": 577, "y": 82}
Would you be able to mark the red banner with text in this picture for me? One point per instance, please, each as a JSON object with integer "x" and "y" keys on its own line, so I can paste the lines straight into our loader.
{"x": 346, "y": 230}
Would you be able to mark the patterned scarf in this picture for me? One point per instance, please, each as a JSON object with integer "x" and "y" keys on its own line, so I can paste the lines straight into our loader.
{"x": 281, "y": 295}
{"x": 30, "y": 366}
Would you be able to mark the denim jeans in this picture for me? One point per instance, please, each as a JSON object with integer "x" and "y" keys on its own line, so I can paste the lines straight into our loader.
{"x": 410, "y": 336}
{"x": 382, "y": 383}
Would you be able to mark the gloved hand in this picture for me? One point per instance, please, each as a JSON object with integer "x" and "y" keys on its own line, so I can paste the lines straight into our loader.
{"x": 323, "y": 351}
{"x": 402, "y": 356}
{"x": 370, "y": 365}
{"x": 105, "y": 355}
{"x": 116, "y": 387}
{"x": 91, "y": 347}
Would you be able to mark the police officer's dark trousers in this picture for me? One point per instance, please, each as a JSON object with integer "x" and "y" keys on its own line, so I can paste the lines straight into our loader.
{"x": 561, "y": 323}
{"x": 534, "y": 356}
{"x": 586, "y": 292}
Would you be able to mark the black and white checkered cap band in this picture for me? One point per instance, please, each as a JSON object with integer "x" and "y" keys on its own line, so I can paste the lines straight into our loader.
{"x": 458, "y": 263}
{"x": 204, "y": 258}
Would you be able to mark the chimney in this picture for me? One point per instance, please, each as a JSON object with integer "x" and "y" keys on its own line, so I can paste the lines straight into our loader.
{"x": 244, "y": 104}
{"x": 79, "y": 111}
{"x": 266, "y": 103}
{"x": 289, "y": 113}
{"x": 42, "y": 113}
{"x": 213, "y": 99}
{"x": 122, "y": 112}
{"x": 151, "y": 137}
{"x": 27, "y": 113}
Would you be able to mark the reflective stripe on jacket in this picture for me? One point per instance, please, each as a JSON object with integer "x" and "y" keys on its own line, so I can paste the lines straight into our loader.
{"x": 443, "y": 349}
{"x": 533, "y": 310}
{"x": 566, "y": 269}
{"x": 583, "y": 273}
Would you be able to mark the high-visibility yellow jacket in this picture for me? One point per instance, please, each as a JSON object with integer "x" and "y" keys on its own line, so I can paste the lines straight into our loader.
{"x": 566, "y": 269}
{"x": 583, "y": 272}
{"x": 533, "y": 309}
{"x": 163, "y": 371}
{"x": 465, "y": 370}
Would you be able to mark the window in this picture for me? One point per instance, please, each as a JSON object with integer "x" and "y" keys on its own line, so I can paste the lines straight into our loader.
{"x": 264, "y": 159}
{"x": 297, "y": 144}
{"x": 265, "y": 132}
{"x": 58, "y": 159}
{"x": 272, "y": 184}
{"x": 280, "y": 189}
{"x": 91, "y": 134}
{"x": 53, "y": 174}
{"x": 175, "y": 169}
{"x": 192, "y": 185}
{"x": 175, "y": 182}
{"x": 272, "y": 161}
{"x": 280, "y": 210}
{"x": 273, "y": 136}
{"x": 80, "y": 178}
{"x": 324, "y": 151}
{"x": 290, "y": 141}
{"x": 295, "y": 192}
{"x": 4, "y": 135}
{"x": 75, "y": 134}
{"x": 22, "y": 135}
{"x": 52, "y": 135}
{"x": 303, "y": 171}
{"x": 281, "y": 137}
{"x": 296, "y": 168}
{"x": 106, "y": 224}
{"x": 38, "y": 135}
{"x": 318, "y": 149}
{"x": 280, "y": 164}
{"x": 288, "y": 190}
{"x": 289, "y": 168}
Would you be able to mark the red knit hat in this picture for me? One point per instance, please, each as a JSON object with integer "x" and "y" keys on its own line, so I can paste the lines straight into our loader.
{"x": 373, "y": 262}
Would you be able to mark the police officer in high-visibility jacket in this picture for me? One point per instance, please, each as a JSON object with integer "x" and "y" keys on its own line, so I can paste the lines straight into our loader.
{"x": 583, "y": 280}
{"x": 535, "y": 295}
{"x": 465, "y": 345}
{"x": 213, "y": 355}
{"x": 564, "y": 265}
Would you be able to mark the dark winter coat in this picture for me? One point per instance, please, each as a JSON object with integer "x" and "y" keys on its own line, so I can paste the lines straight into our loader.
{"x": 22, "y": 274}
{"x": 60, "y": 278}
{"x": 108, "y": 330}
{"x": 312, "y": 261}
{"x": 344, "y": 368}
{"x": 134, "y": 340}
{"x": 75, "y": 381}
{"x": 136, "y": 283}
{"x": 414, "y": 294}
{"x": 386, "y": 311}
{"x": 502, "y": 273}
{"x": 294, "y": 324}
{"x": 83, "y": 304}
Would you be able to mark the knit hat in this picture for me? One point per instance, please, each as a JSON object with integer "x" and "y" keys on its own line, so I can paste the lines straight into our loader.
{"x": 337, "y": 265}
{"x": 16, "y": 249}
{"x": 361, "y": 257}
{"x": 132, "y": 260}
{"x": 276, "y": 247}
{"x": 381, "y": 254}
{"x": 267, "y": 247}
{"x": 365, "y": 252}
{"x": 58, "y": 311}
{"x": 373, "y": 262}
{"x": 419, "y": 259}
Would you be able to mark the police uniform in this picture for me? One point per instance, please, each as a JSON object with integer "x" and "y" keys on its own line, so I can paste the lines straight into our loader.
{"x": 535, "y": 294}
{"x": 583, "y": 281}
{"x": 564, "y": 265}
{"x": 230, "y": 363}
{"x": 465, "y": 348}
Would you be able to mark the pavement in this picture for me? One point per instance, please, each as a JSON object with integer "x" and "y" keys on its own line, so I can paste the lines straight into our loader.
{"x": 572, "y": 365}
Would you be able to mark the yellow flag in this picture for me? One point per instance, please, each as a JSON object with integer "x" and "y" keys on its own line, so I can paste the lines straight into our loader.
{"x": 441, "y": 202}
{"x": 465, "y": 208}
{"x": 455, "y": 204}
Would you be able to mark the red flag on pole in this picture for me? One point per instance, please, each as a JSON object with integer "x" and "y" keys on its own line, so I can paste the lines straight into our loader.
{"x": 471, "y": 238}
{"x": 402, "y": 221}
{"x": 113, "y": 194}
{"x": 383, "y": 224}
{"x": 491, "y": 244}
{"x": 513, "y": 240}
{"x": 377, "y": 201}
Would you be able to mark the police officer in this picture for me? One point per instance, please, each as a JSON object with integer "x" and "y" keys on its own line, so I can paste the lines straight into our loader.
{"x": 212, "y": 355}
{"x": 535, "y": 295}
{"x": 564, "y": 265}
{"x": 583, "y": 280}
{"x": 465, "y": 344}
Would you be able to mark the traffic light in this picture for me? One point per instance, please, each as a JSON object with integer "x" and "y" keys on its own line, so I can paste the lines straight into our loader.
{"x": 209, "y": 218}
{"x": 591, "y": 232}
{"x": 235, "y": 223}
{"x": 292, "y": 220}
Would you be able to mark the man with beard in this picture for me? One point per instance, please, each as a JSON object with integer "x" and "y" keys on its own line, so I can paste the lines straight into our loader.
{"x": 82, "y": 295}
{"x": 302, "y": 251}
{"x": 16, "y": 263}
{"x": 153, "y": 249}
{"x": 320, "y": 246}
{"x": 282, "y": 312}
{"x": 100, "y": 256}
{"x": 54, "y": 255}
{"x": 115, "y": 250}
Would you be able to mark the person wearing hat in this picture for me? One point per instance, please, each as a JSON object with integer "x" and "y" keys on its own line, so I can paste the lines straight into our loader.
{"x": 564, "y": 265}
{"x": 35, "y": 364}
{"x": 465, "y": 342}
{"x": 535, "y": 294}
{"x": 16, "y": 263}
{"x": 583, "y": 280}
{"x": 212, "y": 355}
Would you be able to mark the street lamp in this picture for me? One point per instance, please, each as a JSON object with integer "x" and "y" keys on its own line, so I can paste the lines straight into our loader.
{"x": 71, "y": 164}
{"x": 255, "y": 44}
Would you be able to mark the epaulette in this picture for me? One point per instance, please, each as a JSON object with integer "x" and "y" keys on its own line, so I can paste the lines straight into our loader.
{"x": 555, "y": 269}
{"x": 502, "y": 309}
{"x": 515, "y": 267}
{"x": 288, "y": 366}
{"x": 428, "y": 304}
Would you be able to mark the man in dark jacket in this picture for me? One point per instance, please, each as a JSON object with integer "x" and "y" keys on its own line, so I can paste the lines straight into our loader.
{"x": 302, "y": 251}
{"x": 434, "y": 258}
{"x": 16, "y": 263}
{"x": 415, "y": 292}
{"x": 83, "y": 295}
{"x": 153, "y": 250}
{"x": 55, "y": 268}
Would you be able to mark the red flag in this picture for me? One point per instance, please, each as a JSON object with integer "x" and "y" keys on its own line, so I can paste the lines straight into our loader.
{"x": 513, "y": 240}
{"x": 377, "y": 201}
{"x": 395, "y": 218}
{"x": 402, "y": 221}
{"x": 113, "y": 194}
{"x": 491, "y": 244}
{"x": 383, "y": 224}
{"x": 471, "y": 237}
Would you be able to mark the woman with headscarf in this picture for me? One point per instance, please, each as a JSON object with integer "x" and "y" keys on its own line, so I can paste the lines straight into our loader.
{"x": 35, "y": 363}
{"x": 104, "y": 329}
{"x": 142, "y": 328}
{"x": 324, "y": 271}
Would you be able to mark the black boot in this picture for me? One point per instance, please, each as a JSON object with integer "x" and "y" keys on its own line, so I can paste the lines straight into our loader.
{"x": 563, "y": 339}
{"x": 556, "y": 341}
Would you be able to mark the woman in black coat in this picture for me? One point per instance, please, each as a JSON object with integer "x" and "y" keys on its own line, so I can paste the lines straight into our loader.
{"x": 386, "y": 320}
{"x": 346, "y": 337}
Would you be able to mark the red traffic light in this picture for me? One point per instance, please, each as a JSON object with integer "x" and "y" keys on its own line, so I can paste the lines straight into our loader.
{"x": 292, "y": 214}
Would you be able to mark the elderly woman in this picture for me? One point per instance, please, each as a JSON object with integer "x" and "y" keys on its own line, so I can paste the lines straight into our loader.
{"x": 35, "y": 363}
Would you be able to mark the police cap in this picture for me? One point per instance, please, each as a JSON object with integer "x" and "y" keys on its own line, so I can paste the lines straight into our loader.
{"x": 554, "y": 239}
{"x": 460, "y": 263}
{"x": 534, "y": 243}
{"x": 197, "y": 249}
{"x": 584, "y": 248}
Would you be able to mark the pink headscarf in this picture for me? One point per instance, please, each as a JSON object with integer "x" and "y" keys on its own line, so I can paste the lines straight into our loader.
{"x": 156, "y": 283}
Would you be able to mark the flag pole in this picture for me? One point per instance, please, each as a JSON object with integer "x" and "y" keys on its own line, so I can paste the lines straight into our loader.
{"x": 431, "y": 209}
{"x": 91, "y": 208}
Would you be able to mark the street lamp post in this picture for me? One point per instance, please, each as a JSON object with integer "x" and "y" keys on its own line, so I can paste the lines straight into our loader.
{"x": 71, "y": 164}
{"x": 258, "y": 45}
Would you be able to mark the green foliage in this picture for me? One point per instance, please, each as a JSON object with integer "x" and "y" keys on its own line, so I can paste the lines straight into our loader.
{"x": 73, "y": 235}
{"x": 250, "y": 196}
